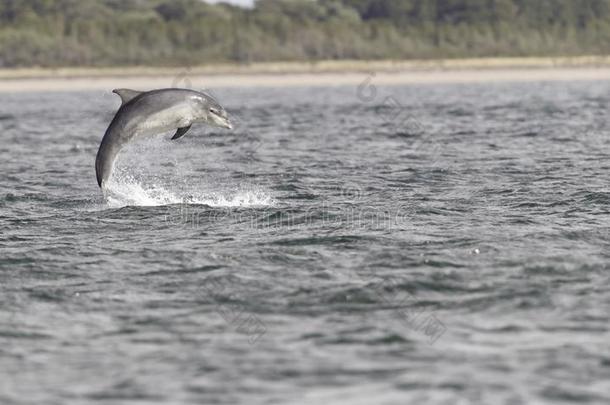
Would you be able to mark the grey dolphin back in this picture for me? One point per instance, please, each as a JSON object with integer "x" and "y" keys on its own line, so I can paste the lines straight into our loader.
{"x": 108, "y": 150}
{"x": 102, "y": 168}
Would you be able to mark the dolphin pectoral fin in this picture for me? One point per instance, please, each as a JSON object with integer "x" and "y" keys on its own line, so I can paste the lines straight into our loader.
{"x": 180, "y": 132}
{"x": 126, "y": 95}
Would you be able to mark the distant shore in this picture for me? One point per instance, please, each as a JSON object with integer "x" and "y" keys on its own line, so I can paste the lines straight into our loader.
{"x": 325, "y": 73}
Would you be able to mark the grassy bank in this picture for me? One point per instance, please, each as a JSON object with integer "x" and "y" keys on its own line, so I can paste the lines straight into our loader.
{"x": 102, "y": 33}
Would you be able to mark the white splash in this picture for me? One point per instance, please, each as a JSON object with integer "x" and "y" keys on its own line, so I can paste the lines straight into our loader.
{"x": 128, "y": 191}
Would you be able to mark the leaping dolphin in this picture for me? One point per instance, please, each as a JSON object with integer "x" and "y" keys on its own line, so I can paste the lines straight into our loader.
{"x": 154, "y": 112}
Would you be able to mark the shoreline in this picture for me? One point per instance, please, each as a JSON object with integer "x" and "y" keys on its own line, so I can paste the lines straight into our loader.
{"x": 326, "y": 73}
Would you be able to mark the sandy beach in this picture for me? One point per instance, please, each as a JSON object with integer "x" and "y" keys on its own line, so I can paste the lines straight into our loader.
{"x": 321, "y": 74}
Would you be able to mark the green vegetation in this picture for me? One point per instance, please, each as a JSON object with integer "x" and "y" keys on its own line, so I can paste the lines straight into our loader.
{"x": 179, "y": 32}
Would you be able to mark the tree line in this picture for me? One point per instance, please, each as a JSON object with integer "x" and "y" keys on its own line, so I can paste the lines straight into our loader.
{"x": 178, "y": 32}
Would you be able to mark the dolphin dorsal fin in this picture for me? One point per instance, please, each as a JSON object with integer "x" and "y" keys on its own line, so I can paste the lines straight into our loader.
{"x": 126, "y": 94}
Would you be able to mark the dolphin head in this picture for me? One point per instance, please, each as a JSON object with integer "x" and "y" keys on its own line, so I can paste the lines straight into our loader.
{"x": 211, "y": 112}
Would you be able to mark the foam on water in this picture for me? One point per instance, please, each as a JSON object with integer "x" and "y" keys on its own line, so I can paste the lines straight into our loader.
{"x": 128, "y": 191}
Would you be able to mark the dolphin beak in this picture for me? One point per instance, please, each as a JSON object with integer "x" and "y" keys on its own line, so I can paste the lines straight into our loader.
{"x": 220, "y": 121}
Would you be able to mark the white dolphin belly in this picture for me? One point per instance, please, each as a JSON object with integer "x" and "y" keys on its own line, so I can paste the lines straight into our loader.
{"x": 179, "y": 116}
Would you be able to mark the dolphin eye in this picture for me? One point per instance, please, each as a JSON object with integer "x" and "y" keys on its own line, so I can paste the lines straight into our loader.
{"x": 213, "y": 111}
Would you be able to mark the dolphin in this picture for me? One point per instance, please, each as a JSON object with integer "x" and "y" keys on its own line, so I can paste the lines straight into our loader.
{"x": 154, "y": 112}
